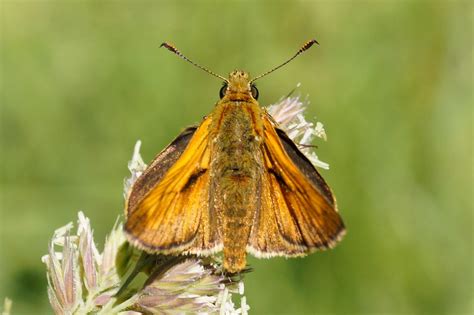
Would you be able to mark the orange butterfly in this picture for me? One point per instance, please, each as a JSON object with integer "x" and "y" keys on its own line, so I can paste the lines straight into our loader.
{"x": 236, "y": 183}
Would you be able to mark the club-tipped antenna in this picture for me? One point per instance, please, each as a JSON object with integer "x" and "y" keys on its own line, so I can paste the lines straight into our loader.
{"x": 173, "y": 49}
{"x": 303, "y": 48}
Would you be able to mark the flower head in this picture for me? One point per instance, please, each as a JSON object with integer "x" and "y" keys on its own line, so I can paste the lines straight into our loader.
{"x": 83, "y": 280}
{"x": 288, "y": 113}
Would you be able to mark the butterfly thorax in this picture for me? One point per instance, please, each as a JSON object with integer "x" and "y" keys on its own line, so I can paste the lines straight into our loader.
{"x": 236, "y": 167}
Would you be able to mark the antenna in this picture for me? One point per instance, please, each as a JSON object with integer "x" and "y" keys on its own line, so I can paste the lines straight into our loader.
{"x": 173, "y": 49}
{"x": 305, "y": 47}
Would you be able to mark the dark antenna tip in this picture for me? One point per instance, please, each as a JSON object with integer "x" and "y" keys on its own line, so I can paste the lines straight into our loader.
{"x": 170, "y": 47}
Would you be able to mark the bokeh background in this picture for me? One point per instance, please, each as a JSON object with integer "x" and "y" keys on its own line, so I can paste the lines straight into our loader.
{"x": 392, "y": 82}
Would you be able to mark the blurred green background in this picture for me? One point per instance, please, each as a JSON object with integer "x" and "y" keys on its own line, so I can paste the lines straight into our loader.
{"x": 392, "y": 82}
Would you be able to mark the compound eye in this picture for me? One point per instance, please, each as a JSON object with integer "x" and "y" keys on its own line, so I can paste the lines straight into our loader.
{"x": 223, "y": 90}
{"x": 254, "y": 91}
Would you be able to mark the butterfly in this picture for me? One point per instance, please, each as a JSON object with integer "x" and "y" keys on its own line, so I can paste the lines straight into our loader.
{"x": 236, "y": 183}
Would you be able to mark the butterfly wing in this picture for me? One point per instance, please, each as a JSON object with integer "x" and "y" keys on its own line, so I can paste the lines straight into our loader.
{"x": 168, "y": 208}
{"x": 297, "y": 212}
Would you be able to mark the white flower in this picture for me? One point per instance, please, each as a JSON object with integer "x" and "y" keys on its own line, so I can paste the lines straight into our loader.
{"x": 288, "y": 113}
{"x": 136, "y": 167}
{"x": 82, "y": 280}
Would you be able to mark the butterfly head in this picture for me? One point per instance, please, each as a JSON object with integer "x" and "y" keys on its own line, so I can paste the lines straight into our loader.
{"x": 238, "y": 87}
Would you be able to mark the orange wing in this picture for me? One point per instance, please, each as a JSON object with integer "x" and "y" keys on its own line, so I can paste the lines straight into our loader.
{"x": 297, "y": 212}
{"x": 168, "y": 210}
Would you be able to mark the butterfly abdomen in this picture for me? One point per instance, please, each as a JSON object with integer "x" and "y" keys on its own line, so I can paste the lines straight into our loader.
{"x": 235, "y": 178}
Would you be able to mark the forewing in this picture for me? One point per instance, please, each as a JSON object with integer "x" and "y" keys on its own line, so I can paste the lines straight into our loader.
{"x": 158, "y": 167}
{"x": 168, "y": 208}
{"x": 297, "y": 213}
